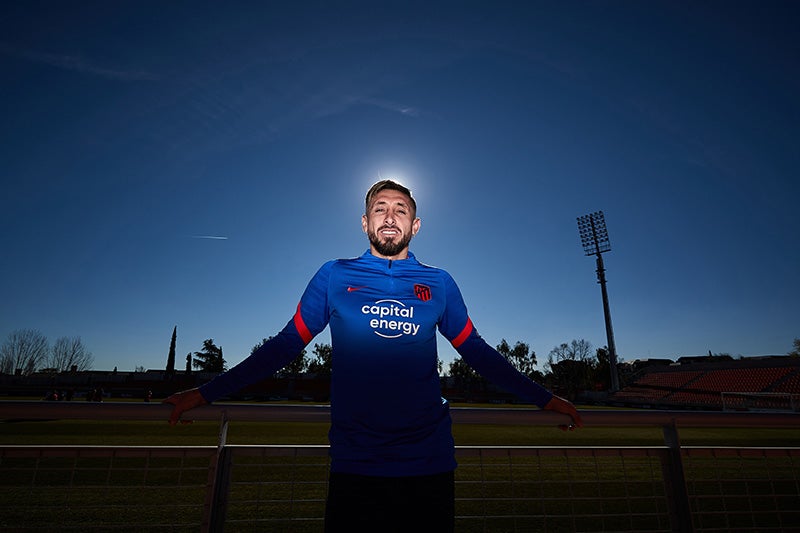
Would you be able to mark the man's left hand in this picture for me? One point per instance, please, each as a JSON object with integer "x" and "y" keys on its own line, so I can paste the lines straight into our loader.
{"x": 560, "y": 405}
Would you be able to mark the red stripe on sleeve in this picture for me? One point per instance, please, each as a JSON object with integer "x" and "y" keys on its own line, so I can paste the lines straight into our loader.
{"x": 302, "y": 329}
{"x": 459, "y": 340}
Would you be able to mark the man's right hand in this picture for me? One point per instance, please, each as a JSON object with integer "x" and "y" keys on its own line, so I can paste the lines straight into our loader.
{"x": 183, "y": 401}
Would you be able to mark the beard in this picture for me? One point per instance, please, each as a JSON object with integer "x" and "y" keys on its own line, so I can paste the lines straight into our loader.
{"x": 389, "y": 247}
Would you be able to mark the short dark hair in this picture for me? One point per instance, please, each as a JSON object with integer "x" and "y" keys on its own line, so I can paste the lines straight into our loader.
{"x": 392, "y": 186}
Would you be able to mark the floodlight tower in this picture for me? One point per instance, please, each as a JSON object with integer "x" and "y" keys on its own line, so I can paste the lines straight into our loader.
{"x": 594, "y": 239}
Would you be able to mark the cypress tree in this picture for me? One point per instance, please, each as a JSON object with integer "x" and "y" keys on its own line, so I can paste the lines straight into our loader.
{"x": 171, "y": 356}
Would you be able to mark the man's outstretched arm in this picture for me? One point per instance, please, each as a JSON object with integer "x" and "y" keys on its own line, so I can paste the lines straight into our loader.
{"x": 183, "y": 401}
{"x": 271, "y": 356}
{"x": 496, "y": 368}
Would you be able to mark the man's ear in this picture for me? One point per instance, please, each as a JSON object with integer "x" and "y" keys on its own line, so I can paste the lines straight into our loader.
{"x": 415, "y": 226}
{"x": 364, "y": 223}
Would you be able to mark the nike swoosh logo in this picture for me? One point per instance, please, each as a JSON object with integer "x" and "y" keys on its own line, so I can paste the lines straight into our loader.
{"x": 353, "y": 289}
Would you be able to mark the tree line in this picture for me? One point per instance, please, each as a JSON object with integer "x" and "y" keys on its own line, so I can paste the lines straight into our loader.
{"x": 26, "y": 351}
{"x": 572, "y": 366}
{"x": 210, "y": 359}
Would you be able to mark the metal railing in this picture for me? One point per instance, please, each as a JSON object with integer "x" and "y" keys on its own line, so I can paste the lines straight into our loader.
{"x": 498, "y": 488}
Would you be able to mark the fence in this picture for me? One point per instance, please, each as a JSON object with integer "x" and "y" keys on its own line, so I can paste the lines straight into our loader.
{"x": 500, "y": 488}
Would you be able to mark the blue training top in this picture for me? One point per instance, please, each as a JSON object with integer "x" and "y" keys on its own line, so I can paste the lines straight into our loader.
{"x": 387, "y": 414}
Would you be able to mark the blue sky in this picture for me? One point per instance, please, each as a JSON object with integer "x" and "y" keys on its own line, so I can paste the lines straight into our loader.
{"x": 134, "y": 131}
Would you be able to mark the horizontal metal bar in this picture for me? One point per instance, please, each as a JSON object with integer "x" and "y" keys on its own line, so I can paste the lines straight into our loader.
{"x": 64, "y": 450}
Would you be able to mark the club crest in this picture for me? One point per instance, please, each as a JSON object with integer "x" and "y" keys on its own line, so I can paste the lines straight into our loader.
{"x": 423, "y": 292}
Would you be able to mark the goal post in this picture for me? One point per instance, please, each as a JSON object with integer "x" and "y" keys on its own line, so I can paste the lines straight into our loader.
{"x": 760, "y": 401}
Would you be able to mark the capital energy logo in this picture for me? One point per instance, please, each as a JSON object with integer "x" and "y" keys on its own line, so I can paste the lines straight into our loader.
{"x": 391, "y": 319}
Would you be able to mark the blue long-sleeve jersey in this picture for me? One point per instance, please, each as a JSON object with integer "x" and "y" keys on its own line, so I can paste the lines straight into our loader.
{"x": 387, "y": 414}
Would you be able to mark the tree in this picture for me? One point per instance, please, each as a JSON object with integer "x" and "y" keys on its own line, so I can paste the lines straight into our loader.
{"x": 298, "y": 365}
{"x": 171, "y": 356}
{"x": 574, "y": 351}
{"x": 209, "y": 359}
{"x": 68, "y": 352}
{"x": 796, "y": 351}
{"x": 258, "y": 345}
{"x": 466, "y": 378}
{"x": 323, "y": 360}
{"x": 572, "y": 366}
{"x": 461, "y": 371}
{"x": 24, "y": 351}
{"x": 521, "y": 357}
{"x": 602, "y": 369}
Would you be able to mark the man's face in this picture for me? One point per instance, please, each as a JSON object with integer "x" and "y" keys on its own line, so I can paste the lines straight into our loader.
{"x": 390, "y": 223}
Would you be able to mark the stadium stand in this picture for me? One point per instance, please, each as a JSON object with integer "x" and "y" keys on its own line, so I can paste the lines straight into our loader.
{"x": 749, "y": 383}
{"x": 655, "y": 386}
{"x": 791, "y": 384}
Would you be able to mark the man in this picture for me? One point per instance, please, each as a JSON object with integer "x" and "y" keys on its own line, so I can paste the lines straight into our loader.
{"x": 391, "y": 445}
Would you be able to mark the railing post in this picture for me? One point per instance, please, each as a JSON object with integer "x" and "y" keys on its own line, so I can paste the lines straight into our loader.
{"x": 219, "y": 476}
{"x": 680, "y": 513}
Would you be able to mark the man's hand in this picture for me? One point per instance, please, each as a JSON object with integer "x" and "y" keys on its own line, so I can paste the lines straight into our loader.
{"x": 183, "y": 401}
{"x": 560, "y": 405}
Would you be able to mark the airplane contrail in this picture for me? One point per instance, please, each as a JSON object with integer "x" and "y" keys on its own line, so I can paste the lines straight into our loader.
{"x": 76, "y": 63}
{"x": 212, "y": 237}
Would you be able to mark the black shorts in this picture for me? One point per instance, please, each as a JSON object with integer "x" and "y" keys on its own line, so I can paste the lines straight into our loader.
{"x": 359, "y": 503}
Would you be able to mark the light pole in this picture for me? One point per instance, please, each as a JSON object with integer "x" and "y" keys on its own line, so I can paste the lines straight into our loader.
{"x": 594, "y": 239}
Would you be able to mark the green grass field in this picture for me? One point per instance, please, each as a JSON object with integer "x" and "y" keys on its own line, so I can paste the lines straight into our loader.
{"x": 155, "y": 433}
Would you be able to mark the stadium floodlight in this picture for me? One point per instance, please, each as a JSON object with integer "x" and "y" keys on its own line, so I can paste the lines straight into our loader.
{"x": 594, "y": 235}
{"x": 594, "y": 239}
